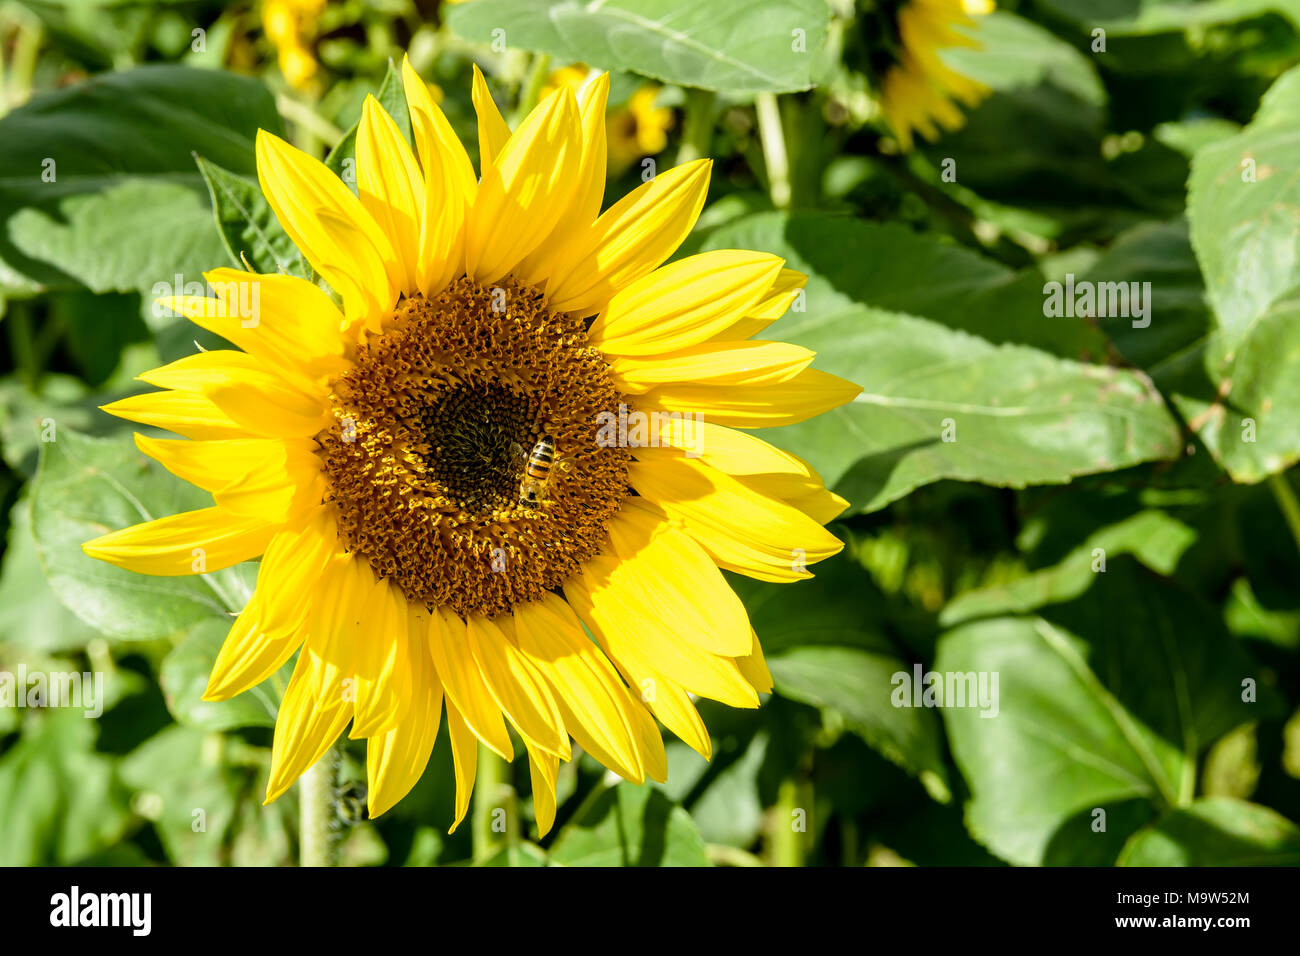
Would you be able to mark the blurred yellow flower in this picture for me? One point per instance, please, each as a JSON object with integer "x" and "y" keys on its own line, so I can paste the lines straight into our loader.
{"x": 639, "y": 129}
{"x": 633, "y": 131}
{"x": 918, "y": 91}
{"x": 291, "y": 25}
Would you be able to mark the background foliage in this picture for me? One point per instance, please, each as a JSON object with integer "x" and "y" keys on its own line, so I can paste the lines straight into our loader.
{"x": 1170, "y": 447}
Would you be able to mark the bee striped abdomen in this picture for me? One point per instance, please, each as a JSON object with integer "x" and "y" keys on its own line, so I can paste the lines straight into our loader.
{"x": 540, "y": 460}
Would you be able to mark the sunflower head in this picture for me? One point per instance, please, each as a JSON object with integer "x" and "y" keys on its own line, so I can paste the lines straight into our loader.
{"x": 900, "y": 43}
{"x": 493, "y": 473}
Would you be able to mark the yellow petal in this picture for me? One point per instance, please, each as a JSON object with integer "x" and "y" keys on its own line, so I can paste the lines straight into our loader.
{"x": 784, "y": 293}
{"x": 665, "y": 697}
{"x": 684, "y": 303}
{"x": 517, "y": 687}
{"x": 191, "y": 542}
{"x": 741, "y": 529}
{"x": 593, "y": 702}
{"x": 754, "y": 667}
{"x": 805, "y": 395}
{"x": 584, "y": 207}
{"x": 758, "y": 465}
{"x": 542, "y": 768}
{"x": 464, "y": 755}
{"x": 390, "y": 187}
{"x": 630, "y": 240}
{"x": 317, "y": 704}
{"x": 285, "y": 319}
{"x": 713, "y": 364}
{"x": 276, "y": 480}
{"x": 628, "y": 624}
{"x": 462, "y": 682}
{"x": 384, "y": 690}
{"x": 674, "y": 573}
{"x": 524, "y": 190}
{"x": 329, "y": 225}
{"x": 449, "y": 182}
{"x": 248, "y": 390}
{"x": 312, "y": 715}
{"x": 272, "y": 625}
{"x": 396, "y": 759}
{"x": 185, "y": 413}
{"x": 492, "y": 129}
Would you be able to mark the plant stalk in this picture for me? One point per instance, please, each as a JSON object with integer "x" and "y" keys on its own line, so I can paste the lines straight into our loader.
{"x": 772, "y": 135}
{"x": 318, "y": 830}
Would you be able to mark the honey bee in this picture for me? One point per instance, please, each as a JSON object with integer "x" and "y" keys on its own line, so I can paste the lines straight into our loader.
{"x": 537, "y": 466}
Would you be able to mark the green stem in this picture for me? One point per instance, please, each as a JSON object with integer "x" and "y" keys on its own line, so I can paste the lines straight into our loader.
{"x": 310, "y": 123}
{"x": 494, "y": 801}
{"x": 772, "y": 135}
{"x": 697, "y": 133}
{"x": 318, "y": 814}
{"x": 785, "y": 841}
{"x": 1286, "y": 501}
{"x": 532, "y": 88}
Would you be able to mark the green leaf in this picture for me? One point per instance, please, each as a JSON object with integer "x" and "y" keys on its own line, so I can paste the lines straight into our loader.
{"x": 1153, "y": 537}
{"x": 122, "y": 206}
{"x": 392, "y": 97}
{"x": 184, "y": 677}
{"x": 86, "y": 487}
{"x": 62, "y": 801}
{"x": 1103, "y": 701}
{"x": 753, "y": 47}
{"x": 1217, "y": 831}
{"x": 631, "y": 826}
{"x": 190, "y": 796}
{"x": 857, "y": 684}
{"x": 247, "y": 224}
{"x": 1127, "y": 17}
{"x": 30, "y": 616}
{"x": 937, "y": 403}
{"x": 823, "y": 650}
{"x": 1243, "y": 399}
{"x": 851, "y": 262}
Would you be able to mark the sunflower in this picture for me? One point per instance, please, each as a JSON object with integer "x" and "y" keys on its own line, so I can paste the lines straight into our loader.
{"x": 290, "y": 25}
{"x": 373, "y": 447}
{"x": 905, "y": 40}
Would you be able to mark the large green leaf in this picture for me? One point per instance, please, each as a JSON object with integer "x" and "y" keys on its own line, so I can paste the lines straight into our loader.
{"x": 1105, "y": 703}
{"x": 1248, "y": 412}
{"x": 631, "y": 826}
{"x": 823, "y": 650}
{"x": 751, "y": 47}
{"x": 1217, "y": 831}
{"x": 938, "y": 403}
{"x": 126, "y": 207}
{"x": 86, "y": 487}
